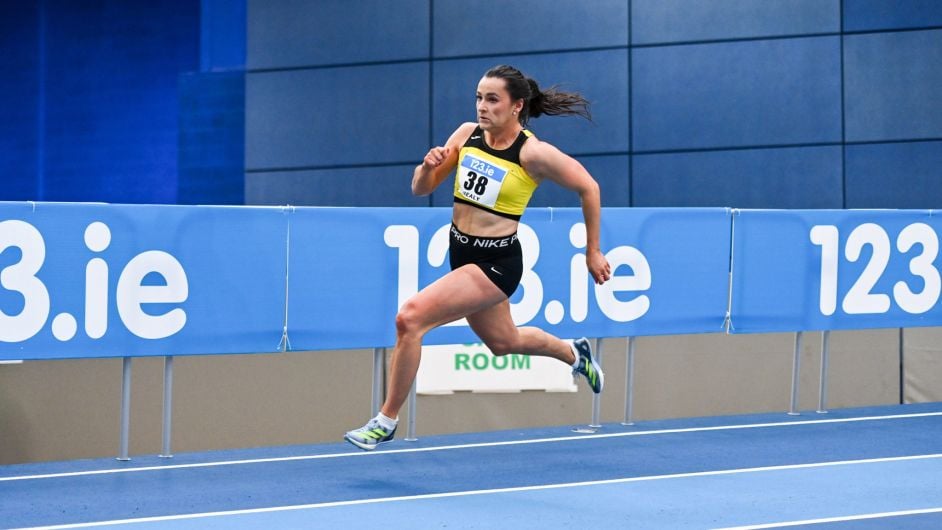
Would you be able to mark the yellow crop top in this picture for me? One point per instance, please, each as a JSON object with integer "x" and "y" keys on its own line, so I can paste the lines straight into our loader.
{"x": 492, "y": 179}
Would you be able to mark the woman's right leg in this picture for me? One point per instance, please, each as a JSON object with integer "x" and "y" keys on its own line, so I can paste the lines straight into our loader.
{"x": 462, "y": 292}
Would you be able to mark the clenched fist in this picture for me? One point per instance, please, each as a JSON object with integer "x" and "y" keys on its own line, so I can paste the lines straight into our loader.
{"x": 436, "y": 157}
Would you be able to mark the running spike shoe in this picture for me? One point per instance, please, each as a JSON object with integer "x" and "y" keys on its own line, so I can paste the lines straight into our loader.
{"x": 370, "y": 435}
{"x": 587, "y": 365}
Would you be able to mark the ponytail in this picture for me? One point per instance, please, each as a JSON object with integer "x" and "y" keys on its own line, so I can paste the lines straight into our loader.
{"x": 552, "y": 101}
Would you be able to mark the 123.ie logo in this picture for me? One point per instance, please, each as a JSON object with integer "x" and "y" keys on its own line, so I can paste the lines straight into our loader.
{"x": 130, "y": 295}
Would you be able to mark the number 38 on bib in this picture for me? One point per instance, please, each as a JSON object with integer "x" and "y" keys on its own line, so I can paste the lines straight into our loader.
{"x": 480, "y": 181}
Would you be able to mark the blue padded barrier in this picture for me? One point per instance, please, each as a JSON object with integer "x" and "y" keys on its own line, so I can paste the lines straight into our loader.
{"x": 350, "y": 268}
{"x": 97, "y": 280}
{"x": 797, "y": 270}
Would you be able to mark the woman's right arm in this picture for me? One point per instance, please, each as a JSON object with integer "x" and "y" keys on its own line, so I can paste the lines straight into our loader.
{"x": 440, "y": 161}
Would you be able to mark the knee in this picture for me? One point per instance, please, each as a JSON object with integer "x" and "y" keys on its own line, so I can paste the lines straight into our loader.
{"x": 408, "y": 320}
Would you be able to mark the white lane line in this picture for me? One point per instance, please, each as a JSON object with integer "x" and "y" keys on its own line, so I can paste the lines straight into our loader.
{"x": 487, "y": 492}
{"x": 835, "y": 519}
{"x": 469, "y": 446}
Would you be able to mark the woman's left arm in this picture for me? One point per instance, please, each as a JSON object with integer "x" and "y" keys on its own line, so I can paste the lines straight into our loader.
{"x": 545, "y": 162}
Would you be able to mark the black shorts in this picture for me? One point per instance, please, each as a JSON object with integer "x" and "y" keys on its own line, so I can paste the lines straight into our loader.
{"x": 501, "y": 258}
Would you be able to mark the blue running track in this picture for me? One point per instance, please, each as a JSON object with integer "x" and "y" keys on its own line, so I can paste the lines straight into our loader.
{"x": 863, "y": 468}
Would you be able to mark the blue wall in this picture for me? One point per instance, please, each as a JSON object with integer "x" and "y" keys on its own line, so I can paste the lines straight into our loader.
{"x": 20, "y": 136}
{"x": 90, "y": 98}
{"x": 747, "y": 103}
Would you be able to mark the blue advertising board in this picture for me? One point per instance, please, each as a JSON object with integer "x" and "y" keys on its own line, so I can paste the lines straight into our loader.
{"x": 95, "y": 280}
{"x": 797, "y": 270}
{"x": 351, "y": 268}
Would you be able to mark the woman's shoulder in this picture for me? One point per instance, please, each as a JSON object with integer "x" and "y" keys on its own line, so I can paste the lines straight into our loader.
{"x": 461, "y": 134}
{"x": 535, "y": 149}
{"x": 466, "y": 128}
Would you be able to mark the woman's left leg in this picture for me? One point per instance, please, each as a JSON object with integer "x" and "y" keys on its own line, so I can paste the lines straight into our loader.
{"x": 496, "y": 328}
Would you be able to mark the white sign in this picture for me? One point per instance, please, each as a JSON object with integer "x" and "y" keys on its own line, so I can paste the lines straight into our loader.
{"x": 456, "y": 367}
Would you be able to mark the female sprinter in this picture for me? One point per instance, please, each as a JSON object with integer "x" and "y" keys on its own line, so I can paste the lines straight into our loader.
{"x": 500, "y": 164}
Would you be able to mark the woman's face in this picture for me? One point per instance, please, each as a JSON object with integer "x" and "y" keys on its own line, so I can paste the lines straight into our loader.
{"x": 495, "y": 108}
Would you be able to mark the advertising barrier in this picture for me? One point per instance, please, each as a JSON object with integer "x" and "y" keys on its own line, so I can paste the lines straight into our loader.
{"x": 804, "y": 270}
{"x": 351, "y": 268}
{"x": 99, "y": 280}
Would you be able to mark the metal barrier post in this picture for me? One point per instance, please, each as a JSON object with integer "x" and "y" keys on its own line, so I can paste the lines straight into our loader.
{"x": 629, "y": 383}
{"x": 379, "y": 368}
{"x": 125, "y": 408}
{"x": 596, "y": 398}
{"x": 410, "y": 432}
{"x": 823, "y": 389}
{"x": 796, "y": 368}
{"x": 168, "y": 406}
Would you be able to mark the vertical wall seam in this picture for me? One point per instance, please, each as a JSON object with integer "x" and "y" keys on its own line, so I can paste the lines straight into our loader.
{"x": 41, "y": 103}
{"x": 631, "y": 156}
{"x": 431, "y": 82}
{"x": 843, "y": 115}
{"x": 902, "y": 366}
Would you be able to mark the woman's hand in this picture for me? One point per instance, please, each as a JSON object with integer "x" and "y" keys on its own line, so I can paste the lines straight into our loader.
{"x": 436, "y": 157}
{"x": 434, "y": 167}
{"x": 598, "y": 266}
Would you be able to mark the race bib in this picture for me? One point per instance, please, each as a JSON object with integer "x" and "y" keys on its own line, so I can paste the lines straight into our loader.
{"x": 479, "y": 180}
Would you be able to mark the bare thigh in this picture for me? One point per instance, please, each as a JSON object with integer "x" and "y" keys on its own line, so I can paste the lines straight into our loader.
{"x": 495, "y": 326}
{"x": 462, "y": 292}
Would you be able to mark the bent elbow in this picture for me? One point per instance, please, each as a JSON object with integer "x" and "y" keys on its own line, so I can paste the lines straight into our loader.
{"x": 591, "y": 190}
{"x": 419, "y": 190}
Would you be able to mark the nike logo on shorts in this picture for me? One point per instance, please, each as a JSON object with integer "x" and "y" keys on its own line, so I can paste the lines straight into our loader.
{"x": 475, "y": 137}
{"x": 497, "y": 271}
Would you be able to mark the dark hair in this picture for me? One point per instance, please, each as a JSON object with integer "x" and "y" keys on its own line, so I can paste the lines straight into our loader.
{"x": 536, "y": 102}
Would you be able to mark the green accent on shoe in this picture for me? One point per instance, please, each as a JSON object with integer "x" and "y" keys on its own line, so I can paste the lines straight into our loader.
{"x": 369, "y": 436}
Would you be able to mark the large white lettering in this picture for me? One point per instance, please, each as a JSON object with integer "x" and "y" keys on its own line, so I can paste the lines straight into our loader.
{"x": 405, "y": 239}
{"x": 22, "y": 277}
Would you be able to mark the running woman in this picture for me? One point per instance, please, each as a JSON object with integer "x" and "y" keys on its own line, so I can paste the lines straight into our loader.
{"x": 500, "y": 163}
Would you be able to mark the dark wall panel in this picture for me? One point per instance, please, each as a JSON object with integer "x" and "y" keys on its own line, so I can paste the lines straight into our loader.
{"x": 864, "y": 15}
{"x": 301, "y": 33}
{"x": 212, "y": 138}
{"x": 661, "y": 21}
{"x": 373, "y": 186}
{"x": 601, "y": 76}
{"x": 898, "y": 175}
{"x": 19, "y": 87}
{"x": 737, "y": 94}
{"x": 805, "y": 177}
{"x": 222, "y": 35}
{"x": 610, "y": 171}
{"x": 892, "y": 85}
{"x": 337, "y": 116}
{"x": 476, "y": 27}
{"x": 111, "y": 92}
